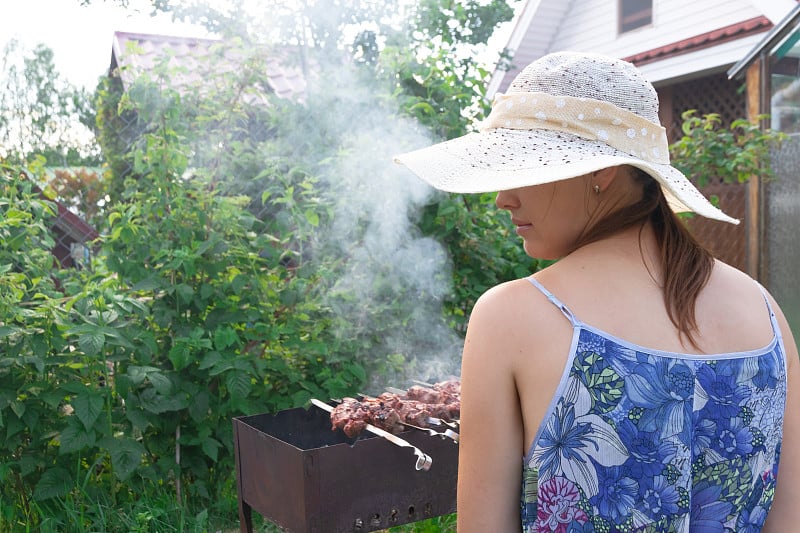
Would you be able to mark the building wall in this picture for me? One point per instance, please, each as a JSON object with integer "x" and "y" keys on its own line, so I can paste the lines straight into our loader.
{"x": 591, "y": 25}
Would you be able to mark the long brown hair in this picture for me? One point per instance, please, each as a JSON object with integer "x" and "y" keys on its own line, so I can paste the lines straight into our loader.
{"x": 685, "y": 264}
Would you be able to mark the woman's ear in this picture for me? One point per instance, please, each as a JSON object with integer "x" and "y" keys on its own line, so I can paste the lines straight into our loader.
{"x": 604, "y": 177}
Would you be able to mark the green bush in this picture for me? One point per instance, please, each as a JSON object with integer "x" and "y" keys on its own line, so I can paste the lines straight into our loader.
{"x": 219, "y": 288}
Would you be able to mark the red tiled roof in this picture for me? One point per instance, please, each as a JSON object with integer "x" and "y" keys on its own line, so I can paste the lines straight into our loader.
{"x": 138, "y": 53}
{"x": 704, "y": 40}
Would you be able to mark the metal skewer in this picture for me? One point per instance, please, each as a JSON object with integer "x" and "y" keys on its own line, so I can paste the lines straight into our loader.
{"x": 439, "y": 422}
{"x": 446, "y": 434}
{"x": 424, "y": 461}
{"x": 431, "y": 420}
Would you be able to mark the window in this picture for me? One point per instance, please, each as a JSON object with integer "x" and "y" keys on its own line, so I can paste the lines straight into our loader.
{"x": 785, "y": 85}
{"x": 634, "y": 14}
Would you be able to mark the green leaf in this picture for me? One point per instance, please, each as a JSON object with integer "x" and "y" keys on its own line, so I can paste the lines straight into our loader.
{"x": 211, "y": 447}
{"x": 198, "y": 407}
{"x": 209, "y": 360}
{"x": 179, "y": 356}
{"x": 54, "y": 483}
{"x": 126, "y": 455}
{"x": 91, "y": 343}
{"x": 185, "y": 293}
{"x": 157, "y": 404}
{"x": 75, "y": 438}
{"x": 160, "y": 382}
{"x": 88, "y": 406}
{"x": 238, "y": 284}
{"x": 137, "y": 374}
{"x": 6, "y": 331}
{"x": 206, "y": 290}
{"x": 29, "y": 464}
{"x": 138, "y": 418}
{"x": 147, "y": 284}
{"x": 359, "y": 372}
{"x": 312, "y": 217}
{"x": 18, "y": 408}
{"x": 224, "y": 336}
{"x": 13, "y": 426}
{"x": 301, "y": 397}
{"x": 238, "y": 384}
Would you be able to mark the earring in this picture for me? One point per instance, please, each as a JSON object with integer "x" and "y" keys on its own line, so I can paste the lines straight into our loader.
{"x": 596, "y": 189}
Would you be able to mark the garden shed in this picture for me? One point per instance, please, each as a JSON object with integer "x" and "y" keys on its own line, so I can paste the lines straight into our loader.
{"x": 73, "y": 236}
{"x": 684, "y": 48}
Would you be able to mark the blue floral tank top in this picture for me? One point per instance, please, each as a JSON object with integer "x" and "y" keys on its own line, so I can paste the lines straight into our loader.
{"x": 640, "y": 440}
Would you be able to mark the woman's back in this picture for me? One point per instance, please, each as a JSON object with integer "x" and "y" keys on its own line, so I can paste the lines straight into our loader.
{"x": 607, "y": 286}
{"x": 597, "y": 413}
{"x": 643, "y": 439}
{"x": 645, "y": 374}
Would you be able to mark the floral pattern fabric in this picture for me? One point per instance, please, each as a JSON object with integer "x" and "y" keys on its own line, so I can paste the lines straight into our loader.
{"x": 647, "y": 441}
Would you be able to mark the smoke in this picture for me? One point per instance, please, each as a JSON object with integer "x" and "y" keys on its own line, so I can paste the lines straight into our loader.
{"x": 392, "y": 270}
{"x": 394, "y": 279}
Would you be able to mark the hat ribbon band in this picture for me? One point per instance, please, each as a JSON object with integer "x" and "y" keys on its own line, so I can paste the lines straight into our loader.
{"x": 587, "y": 118}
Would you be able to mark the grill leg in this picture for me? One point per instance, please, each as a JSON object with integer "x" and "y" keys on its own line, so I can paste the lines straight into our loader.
{"x": 245, "y": 511}
{"x": 245, "y": 517}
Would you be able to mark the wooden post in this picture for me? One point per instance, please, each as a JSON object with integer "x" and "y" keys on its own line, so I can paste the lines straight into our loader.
{"x": 753, "y": 213}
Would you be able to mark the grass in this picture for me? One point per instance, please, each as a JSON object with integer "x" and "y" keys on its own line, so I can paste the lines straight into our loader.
{"x": 441, "y": 524}
{"x": 158, "y": 512}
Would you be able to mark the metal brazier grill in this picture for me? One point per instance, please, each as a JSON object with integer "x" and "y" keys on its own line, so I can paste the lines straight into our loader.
{"x": 292, "y": 469}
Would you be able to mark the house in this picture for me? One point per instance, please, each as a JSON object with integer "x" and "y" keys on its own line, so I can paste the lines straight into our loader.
{"x": 684, "y": 47}
{"x": 72, "y": 235}
{"x": 133, "y": 54}
{"x": 771, "y": 72}
{"x": 192, "y": 67}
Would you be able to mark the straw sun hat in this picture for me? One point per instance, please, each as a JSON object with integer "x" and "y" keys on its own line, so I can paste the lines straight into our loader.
{"x": 566, "y": 114}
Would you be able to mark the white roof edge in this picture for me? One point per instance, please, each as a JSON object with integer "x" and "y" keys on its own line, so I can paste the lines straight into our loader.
{"x": 514, "y": 41}
{"x": 695, "y": 63}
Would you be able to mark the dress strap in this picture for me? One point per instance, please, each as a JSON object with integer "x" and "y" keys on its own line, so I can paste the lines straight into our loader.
{"x": 555, "y": 301}
{"x": 776, "y": 329}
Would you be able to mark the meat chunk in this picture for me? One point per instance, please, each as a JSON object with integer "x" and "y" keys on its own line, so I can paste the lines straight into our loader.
{"x": 392, "y": 412}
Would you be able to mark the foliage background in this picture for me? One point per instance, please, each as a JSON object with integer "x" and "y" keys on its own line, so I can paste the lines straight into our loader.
{"x": 251, "y": 257}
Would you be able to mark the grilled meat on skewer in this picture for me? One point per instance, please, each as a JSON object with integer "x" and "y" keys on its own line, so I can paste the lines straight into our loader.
{"x": 389, "y": 411}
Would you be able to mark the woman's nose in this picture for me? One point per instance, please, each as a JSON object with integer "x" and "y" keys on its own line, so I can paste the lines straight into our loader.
{"x": 505, "y": 200}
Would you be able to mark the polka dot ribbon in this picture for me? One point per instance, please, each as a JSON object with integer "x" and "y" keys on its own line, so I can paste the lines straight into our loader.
{"x": 587, "y": 118}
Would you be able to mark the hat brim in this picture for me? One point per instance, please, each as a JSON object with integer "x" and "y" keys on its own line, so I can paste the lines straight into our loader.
{"x": 502, "y": 159}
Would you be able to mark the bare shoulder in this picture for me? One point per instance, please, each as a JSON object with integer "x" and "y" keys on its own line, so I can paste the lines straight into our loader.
{"x": 734, "y": 281}
{"x": 732, "y": 307}
{"x": 514, "y": 309}
{"x": 730, "y": 294}
{"x": 514, "y": 328}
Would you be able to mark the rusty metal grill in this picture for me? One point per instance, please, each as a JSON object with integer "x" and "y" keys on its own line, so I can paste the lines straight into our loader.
{"x": 293, "y": 470}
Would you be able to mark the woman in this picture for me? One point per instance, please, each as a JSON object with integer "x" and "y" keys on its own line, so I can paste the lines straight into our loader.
{"x": 642, "y": 382}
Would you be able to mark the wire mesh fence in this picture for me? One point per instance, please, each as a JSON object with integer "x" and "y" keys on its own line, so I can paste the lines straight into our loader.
{"x": 716, "y": 94}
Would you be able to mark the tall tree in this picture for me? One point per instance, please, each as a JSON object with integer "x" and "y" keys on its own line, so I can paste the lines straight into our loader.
{"x": 42, "y": 114}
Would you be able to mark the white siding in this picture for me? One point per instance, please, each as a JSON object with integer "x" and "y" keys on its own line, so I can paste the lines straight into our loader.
{"x": 592, "y": 24}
